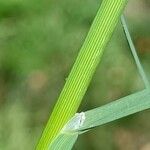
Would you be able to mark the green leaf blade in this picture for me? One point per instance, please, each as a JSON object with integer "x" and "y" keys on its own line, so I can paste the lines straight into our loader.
{"x": 117, "y": 109}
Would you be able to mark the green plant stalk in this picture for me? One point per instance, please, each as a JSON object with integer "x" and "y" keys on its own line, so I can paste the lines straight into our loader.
{"x": 84, "y": 67}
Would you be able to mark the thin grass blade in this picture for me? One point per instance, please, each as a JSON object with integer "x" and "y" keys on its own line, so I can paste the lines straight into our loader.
{"x": 134, "y": 52}
{"x": 117, "y": 109}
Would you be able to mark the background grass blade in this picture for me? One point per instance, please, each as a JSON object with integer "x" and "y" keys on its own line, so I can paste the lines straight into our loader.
{"x": 83, "y": 69}
{"x": 134, "y": 53}
{"x": 117, "y": 109}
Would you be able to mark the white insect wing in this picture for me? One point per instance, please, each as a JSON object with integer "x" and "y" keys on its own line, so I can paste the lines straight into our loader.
{"x": 75, "y": 122}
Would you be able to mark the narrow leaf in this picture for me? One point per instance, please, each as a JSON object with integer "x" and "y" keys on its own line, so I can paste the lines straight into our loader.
{"x": 117, "y": 109}
{"x": 134, "y": 53}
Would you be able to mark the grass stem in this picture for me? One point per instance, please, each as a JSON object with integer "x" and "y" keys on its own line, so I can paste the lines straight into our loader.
{"x": 84, "y": 67}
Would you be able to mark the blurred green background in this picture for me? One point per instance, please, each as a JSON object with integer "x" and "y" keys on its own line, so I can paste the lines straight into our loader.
{"x": 39, "y": 41}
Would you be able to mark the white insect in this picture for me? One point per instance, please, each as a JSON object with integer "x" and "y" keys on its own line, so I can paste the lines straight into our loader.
{"x": 75, "y": 122}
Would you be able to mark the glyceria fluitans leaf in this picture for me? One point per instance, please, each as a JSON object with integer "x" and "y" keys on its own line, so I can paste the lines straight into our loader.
{"x": 117, "y": 109}
{"x": 83, "y": 69}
